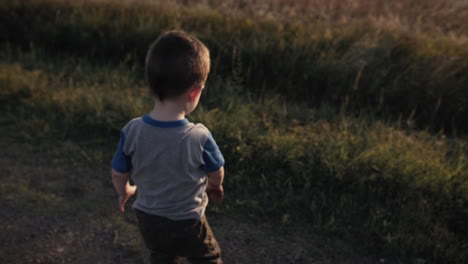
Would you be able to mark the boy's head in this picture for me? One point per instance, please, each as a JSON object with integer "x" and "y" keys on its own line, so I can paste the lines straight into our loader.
{"x": 175, "y": 63}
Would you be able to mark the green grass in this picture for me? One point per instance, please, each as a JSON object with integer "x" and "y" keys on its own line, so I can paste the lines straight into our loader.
{"x": 404, "y": 190}
{"x": 367, "y": 64}
{"x": 305, "y": 115}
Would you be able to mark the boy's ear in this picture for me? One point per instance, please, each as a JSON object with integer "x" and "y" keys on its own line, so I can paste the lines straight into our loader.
{"x": 194, "y": 92}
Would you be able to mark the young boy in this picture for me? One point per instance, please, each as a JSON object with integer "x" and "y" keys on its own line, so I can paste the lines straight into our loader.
{"x": 176, "y": 165}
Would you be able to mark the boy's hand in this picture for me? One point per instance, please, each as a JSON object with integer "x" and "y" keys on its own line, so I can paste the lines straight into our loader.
{"x": 123, "y": 198}
{"x": 215, "y": 189}
{"x": 122, "y": 187}
{"x": 215, "y": 193}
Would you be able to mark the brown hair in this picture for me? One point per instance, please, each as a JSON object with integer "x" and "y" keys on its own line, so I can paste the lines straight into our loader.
{"x": 176, "y": 62}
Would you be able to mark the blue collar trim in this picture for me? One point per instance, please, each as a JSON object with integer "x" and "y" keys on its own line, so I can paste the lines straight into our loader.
{"x": 164, "y": 124}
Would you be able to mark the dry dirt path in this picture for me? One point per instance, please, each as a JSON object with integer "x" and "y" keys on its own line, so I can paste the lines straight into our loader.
{"x": 57, "y": 205}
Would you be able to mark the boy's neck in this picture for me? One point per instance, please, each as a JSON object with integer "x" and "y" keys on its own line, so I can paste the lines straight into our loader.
{"x": 168, "y": 110}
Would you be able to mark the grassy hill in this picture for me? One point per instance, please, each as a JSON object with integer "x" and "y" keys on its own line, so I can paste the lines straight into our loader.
{"x": 345, "y": 118}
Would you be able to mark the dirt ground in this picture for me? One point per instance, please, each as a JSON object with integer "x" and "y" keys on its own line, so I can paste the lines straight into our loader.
{"x": 57, "y": 205}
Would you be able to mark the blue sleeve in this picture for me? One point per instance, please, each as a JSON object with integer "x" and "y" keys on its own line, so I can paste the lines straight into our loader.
{"x": 212, "y": 156}
{"x": 121, "y": 162}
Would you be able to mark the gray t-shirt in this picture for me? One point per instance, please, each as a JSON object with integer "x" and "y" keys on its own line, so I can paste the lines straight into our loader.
{"x": 168, "y": 161}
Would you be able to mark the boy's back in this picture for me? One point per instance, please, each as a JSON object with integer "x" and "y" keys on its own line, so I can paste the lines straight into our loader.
{"x": 169, "y": 162}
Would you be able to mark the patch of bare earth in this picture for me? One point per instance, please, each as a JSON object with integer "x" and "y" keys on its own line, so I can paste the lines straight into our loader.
{"x": 57, "y": 206}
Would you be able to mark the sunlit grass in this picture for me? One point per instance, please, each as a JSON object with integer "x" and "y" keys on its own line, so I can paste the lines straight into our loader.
{"x": 445, "y": 17}
{"x": 342, "y": 57}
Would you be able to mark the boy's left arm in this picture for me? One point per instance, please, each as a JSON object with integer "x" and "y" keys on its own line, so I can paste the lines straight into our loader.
{"x": 122, "y": 187}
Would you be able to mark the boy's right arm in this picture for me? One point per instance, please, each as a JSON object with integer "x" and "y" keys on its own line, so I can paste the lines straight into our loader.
{"x": 215, "y": 189}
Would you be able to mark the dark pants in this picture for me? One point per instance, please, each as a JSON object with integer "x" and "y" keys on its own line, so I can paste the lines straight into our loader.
{"x": 168, "y": 239}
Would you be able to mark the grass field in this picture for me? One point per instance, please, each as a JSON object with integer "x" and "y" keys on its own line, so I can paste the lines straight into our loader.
{"x": 345, "y": 118}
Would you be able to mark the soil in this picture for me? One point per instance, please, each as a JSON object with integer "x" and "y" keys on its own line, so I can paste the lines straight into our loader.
{"x": 57, "y": 205}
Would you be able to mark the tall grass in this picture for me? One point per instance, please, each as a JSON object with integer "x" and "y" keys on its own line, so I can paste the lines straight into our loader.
{"x": 395, "y": 70}
{"x": 404, "y": 192}
{"x": 294, "y": 106}
{"x": 434, "y": 16}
